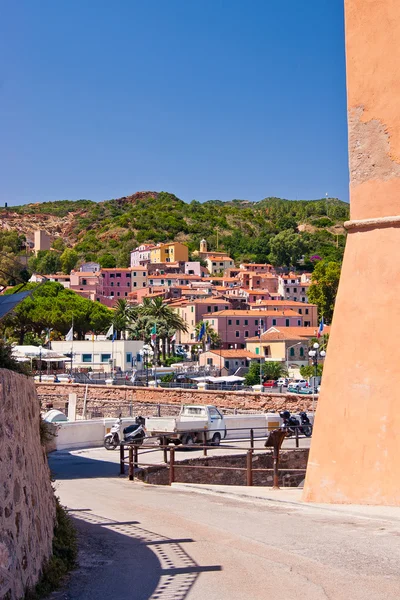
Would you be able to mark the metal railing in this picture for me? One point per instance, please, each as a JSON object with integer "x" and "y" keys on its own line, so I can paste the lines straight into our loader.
{"x": 273, "y": 440}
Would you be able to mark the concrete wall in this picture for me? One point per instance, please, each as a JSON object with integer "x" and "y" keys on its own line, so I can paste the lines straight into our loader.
{"x": 27, "y": 507}
{"x": 108, "y": 399}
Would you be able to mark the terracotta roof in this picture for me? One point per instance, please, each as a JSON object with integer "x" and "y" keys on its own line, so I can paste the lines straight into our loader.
{"x": 282, "y": 303}
{"x": 276, "y": 333}
{"x": 223, "y": 257}
{"x": 236, "y": 353}
{"x": 255, "y": 313}
{"x": 115, "y": 270}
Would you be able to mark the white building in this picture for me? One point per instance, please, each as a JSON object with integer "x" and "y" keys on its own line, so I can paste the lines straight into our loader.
{"x": 100, "y": 355}
{"x": 140, "y": 256}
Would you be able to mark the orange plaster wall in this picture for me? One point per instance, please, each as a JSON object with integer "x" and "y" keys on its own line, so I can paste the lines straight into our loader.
{"x": 373, "y": 84}
{"x": 355, "y": 448}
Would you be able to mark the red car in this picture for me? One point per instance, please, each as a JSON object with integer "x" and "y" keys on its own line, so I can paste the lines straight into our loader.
{"x": 270, "y": 383}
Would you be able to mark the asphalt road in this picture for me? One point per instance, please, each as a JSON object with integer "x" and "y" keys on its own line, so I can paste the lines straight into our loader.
{"x": 159, "y": 543}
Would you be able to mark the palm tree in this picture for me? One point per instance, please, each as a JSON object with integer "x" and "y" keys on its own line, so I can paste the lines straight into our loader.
{"x": 123, "y": 316}
{"x": 210, "y": 334}
{"x": 166, "y": 320}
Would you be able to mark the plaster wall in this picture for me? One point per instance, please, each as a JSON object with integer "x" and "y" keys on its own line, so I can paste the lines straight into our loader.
{"x": 354, "y": 455}
{"x": 27, "y": 506}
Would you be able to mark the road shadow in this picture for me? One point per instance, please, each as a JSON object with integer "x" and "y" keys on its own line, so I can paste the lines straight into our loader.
{"x": 124, "y": 560}
{"x": 65, "y": 465}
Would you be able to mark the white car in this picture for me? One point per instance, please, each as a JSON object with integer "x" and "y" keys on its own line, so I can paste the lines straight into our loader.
{"x": 299, "y": 383}
{"x": 282, "y": 381}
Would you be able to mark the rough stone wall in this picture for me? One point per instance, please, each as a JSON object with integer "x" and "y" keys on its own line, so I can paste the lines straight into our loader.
{"x": 106, "y": 400}
{"x": 27, "y": 505}
{"x": 289, "y": 459}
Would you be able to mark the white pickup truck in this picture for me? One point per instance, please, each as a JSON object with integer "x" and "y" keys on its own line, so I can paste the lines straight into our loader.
{"x": 189, "y": 427}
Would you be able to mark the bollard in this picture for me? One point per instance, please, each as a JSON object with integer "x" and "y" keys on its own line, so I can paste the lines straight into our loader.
{"x": 205, "y": 444}
{"x": 249, "y": 465}
{"x": 252, "y": 439}
{"x": 130, "y": 463}
{"x": 164, "y": 443}
{"x": 171, "y": 466}
{"x": 121, "y": 460}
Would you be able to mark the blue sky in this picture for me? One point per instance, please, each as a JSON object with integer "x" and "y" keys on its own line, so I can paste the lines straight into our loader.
{"x": 203, "y": 98}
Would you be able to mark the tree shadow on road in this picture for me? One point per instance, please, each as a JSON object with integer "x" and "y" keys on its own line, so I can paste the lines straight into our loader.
{"x": 65, "y": 465}
{"x": 122, "y": 559}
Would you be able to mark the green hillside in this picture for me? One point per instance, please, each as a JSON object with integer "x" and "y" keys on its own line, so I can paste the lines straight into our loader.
{"x": 274, "y": 230}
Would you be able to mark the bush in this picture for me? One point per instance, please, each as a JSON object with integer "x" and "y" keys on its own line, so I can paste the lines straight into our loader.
{"x": 63, "y": 559}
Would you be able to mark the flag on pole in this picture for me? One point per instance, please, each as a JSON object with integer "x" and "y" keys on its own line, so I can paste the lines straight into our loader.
{"x": 70, "y": 335}
{"x": 110, "y": 332}
{"x": 47, "y": 338}
{"x": 201, "y": 332}
{"x": 173, "y": 339}
{"x": 153, "y": 333}
{"x": 114, "y": 336}
{"x": 321, "y": 328}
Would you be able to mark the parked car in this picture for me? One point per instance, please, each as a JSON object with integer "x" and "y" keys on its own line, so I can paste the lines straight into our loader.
{"x": 282, "y": 381}
{"x": 299, "y": 383}
{"x": 270, "y": 383}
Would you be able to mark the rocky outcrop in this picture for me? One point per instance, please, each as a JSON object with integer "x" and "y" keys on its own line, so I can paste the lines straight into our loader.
{"x": 27, "y": 505}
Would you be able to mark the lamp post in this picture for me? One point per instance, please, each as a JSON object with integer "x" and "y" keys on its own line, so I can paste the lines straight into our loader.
{"x": 287, "y": 355}
{"x": 146, "y": 353}
{"x": 315, "y": 353}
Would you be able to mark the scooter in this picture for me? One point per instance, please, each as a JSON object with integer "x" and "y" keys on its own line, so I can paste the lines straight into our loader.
{"x": 306, "y": 426}
{"x": 133, "y": 434}
{"x": 290, "y": 423}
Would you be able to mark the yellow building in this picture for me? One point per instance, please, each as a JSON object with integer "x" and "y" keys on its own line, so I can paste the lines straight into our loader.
{"x": 169, "y": 253}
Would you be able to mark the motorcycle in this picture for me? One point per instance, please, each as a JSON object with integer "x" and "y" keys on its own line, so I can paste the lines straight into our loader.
{"x": 133, "y": 434}
{"x": 291, "y": 423}
{"x": 306, "y": 426}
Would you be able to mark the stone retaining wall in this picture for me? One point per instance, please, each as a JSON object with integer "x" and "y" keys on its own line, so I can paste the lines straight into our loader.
{"x": 107, "y": 400}
{"x": 27, "y": 505}
{"x": 289, "y": 459}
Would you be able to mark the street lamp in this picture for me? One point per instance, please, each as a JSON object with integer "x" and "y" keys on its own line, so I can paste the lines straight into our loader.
{"x": 287, "y": 355}
{"x": 315, "y": 353}
{"x": 146, "y": 353}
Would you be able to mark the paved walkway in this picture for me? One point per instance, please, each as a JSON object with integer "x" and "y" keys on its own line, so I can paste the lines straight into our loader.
{"x": 160, "y": 543}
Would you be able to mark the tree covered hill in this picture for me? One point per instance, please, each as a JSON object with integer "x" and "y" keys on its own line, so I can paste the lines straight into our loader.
{"x": 273, "y": 229}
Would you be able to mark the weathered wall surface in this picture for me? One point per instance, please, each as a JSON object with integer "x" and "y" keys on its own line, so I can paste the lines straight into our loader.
{"x": 27, "y": 508}
{"x": 106, "y": 400}
{"x": 289, "y": 459}
{"x": 354, "y": 455}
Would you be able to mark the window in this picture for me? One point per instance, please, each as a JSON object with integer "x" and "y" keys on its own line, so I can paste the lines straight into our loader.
{"x": 291, "y": 351}
{"x": 129, "y": 357}
{"x": 105, "y": 357}
{"x": 119, "y": 275}
{"x": 84, "y": 281}
{"x": 214, "y": 264}
{"x": 221, "y": 264}
{"x": 192, "y": 309}
{"x": 118, "y": 284}
{"x": 287, "y": 322}
{"x": 229, "y": 321}
{"x": 112, "y": 294}
{"x": 215, "y": 308}
{"x": 256, "y": 333}
{"x": 256, "y": 322}
{"x": 295, "y": 299}
{"x": 303, "y": 289}
{"x": 301, "y": 351}
{"x": 227, "y": 364}
{"x": 237, "y": 333}
{"x": 209, "y": 361}
{"x": 126, "y": 293}
{"x": 86, "y": 358}
{"x": 246, "y": 334}
{"x": 118, "y": 294}
{"x": 128, "y": 275}
{"x": 134, "y": 273}
{"x": 287, "y": 290}
{"x": 306, "y": 311}
{"x": 112, "y": 283}
{"x": 257, "y": 350}
{"x": 134, "y": 284}
{"x": 111, "y": 275}
{"x": 208, "y": 308}
{"x": 299, "y": 322}
{"x": 303, "y": 299}
{"x": 273, "y": 321}
{"x": 295, "y": 290}
{"x": 300, "y": 311}
{"x": 237, "y": 322}
{"x": 246, "y": 322}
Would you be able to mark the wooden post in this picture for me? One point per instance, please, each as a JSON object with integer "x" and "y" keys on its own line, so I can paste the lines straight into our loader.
{"x": 135, "y": 455}
{"x": 249, "y": 471}
{"x": 276, "y": 468}
{"x": 171, "y": 466}
{"x": 130, "y": 463}
{"x": 164, "y": 443}
{"x": 205, "y": 444}
{"x": 252, "y": 438}
{"x": 121, "y": 460}
{"x": 297, "y": 436}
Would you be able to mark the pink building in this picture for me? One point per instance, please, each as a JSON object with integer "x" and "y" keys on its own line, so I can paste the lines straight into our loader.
{"x": 86, "y": 282}
{"x": 258, "y": 267}
{"x": 115, "y": 283}
{"x": 236, "y": 326}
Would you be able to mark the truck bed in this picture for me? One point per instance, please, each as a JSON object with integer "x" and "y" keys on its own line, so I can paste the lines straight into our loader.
{"x": 175, "y": 424}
